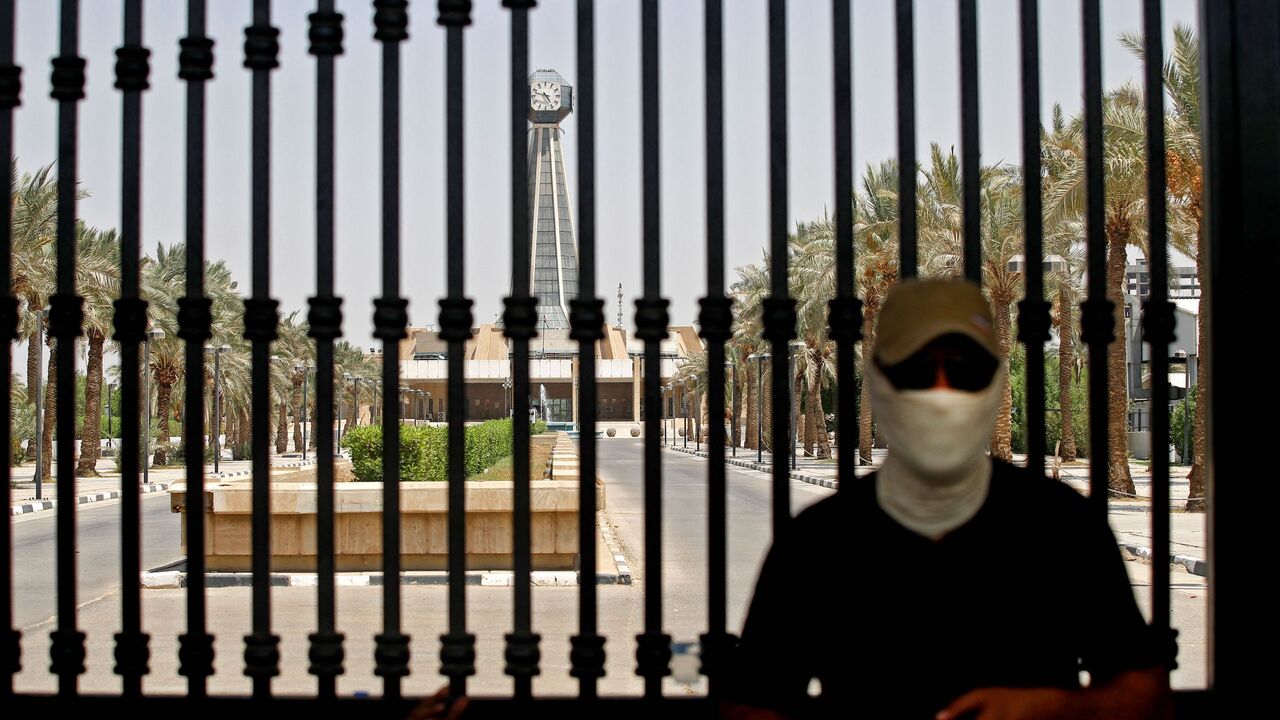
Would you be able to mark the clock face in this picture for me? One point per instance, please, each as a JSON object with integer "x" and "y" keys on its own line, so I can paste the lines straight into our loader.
{"x": 544, "y": 95}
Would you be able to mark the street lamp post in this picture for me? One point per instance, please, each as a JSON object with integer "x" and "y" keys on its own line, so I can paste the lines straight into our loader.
{"x": 217, "y": 400}
{"x": 733, "y": 416}
{"x": 111, "y": 388}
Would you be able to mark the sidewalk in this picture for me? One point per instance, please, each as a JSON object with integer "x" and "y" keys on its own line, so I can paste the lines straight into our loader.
{"x": 107, "y": 486}
{"x": 1130, "y": 519}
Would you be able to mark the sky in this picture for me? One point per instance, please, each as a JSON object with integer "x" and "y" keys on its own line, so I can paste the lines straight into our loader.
{"x": 487, "y": 148}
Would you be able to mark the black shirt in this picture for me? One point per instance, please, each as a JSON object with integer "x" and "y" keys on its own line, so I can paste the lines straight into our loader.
{"x": 1027, "y": 593}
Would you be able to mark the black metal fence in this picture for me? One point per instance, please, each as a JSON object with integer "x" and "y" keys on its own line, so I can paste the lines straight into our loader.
{"x": 1242, "y": 93}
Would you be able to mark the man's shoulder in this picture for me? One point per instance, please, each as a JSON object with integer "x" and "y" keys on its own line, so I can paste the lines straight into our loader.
{"x": 1023, "y": 485}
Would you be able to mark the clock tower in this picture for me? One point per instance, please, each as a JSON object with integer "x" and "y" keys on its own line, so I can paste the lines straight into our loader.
{"x": 553, "y": 245}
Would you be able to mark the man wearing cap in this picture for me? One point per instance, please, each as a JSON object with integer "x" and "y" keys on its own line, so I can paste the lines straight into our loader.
{"x": 936, "y": 587}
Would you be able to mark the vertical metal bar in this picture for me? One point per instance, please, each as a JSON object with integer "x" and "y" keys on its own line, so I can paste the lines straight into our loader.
{"x": 65, "y": 320}
{"x": 653, "y": 648}
{"x": 779, "y": 307}
{"x": 1033, "y": 310}
{"x": 325, "y": 322}
{"x": 586, "y": 317}
{"x": 390, "y": 318}
{"x": 715, "y": 321}
{"x": 195, "y": 322}
{"x": 261, "y": 49}
{"x": 845, "y": 310}
{"x": 1097, "y": 318}
{"x": 969, "y": 140}
{"x": 457, "y": 652}
{"x": 520, "y": 318}
{"x": 130, "y": 318}
{"x": 1240, "y": 59}
{"x": 1158, "y": 320}
{"x": 908, "y": 258}
{"x": 10, "y": 94}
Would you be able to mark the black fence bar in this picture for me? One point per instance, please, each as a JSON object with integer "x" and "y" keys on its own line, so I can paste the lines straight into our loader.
{"x": 715, "y": 321}
{"x": 779, "y": 308}
{"x": 131, "y": 652}
{"x": 66, "y": 316}
{"x": 457, "y": 651}
{"x": 1241, "y": 92}
{"x": 324, "y": 320}
{"x": 522, "y": 645}
{"x": 1097, "y": 318}
{"x": 969, "y": 139}
{"x": 586, "y": 316}
{"x": 390, "y": 319}
{"x": 10, "y": 91}
{"x": 195, "y": 324}
{"x": 1033, "y": 310}
{"x": 1158, "y": 320}
{"x": 261, "y": 50}
{"x": 653, "y": 648}
{"x": 519, "y": 325}
{"x": 845, "y": 310}
{"x": 905, "y": 34}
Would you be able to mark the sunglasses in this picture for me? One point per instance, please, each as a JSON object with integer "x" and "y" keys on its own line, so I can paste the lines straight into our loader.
{"x": 964, "y": 363}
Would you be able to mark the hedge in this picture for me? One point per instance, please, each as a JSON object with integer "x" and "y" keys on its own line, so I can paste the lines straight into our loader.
{"x": 424, "y": 450}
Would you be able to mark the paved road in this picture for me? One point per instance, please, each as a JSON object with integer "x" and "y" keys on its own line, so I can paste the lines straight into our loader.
{"x": 98, "y": 557}
{"x": 684, "y": 508}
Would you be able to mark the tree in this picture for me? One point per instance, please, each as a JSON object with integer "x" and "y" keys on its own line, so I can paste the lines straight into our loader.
{"x": 1184, "y": 171}
{"x": 876, "y": 271}
{"x": 98, "y": 282}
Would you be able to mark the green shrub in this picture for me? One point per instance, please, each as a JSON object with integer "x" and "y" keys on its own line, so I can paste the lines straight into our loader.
{"x": 424, "y": 450}
{"x": 1184, "y": 416}
{"x": 538, "y": 427}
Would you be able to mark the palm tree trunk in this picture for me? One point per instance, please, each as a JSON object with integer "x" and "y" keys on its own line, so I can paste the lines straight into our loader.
{"x": 1002, "y": 433}
{"x": 311, "y": 419}
{"x": 164, "y": 408}
{"x": 735, "y": 410}
{"x": 1118, "y": 478}
{"x": 50, "y": 410}
{"x": 1066, "y": 372}
{"x": 297, "y": 417}
{"x": 766, "y": 398}
{"x": 282, "y": 430}
{"x": 865, "y": 434}
{"x": 753, "y": 403}
{"x": 1196, "y": 500}
{"x": 33, "y": 370}
{"x": 819, "y": 422}
{"x": 91, "y": 431}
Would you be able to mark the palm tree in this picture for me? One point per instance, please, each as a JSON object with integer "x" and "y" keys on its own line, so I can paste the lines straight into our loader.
{"x": 1124, "y": 158}
{"x": 35, "y": 211}
{"x": 98, "y": 282}
{"x": 1062, "y": 235}
{"x": 1000, "y": 226}
{"x": 876, "y": 238}
{"x": 813, "y": 283}
{"x": 749, "y": 292}
{"x": 1185, "y": 181}
{"x": 293, "y": 347}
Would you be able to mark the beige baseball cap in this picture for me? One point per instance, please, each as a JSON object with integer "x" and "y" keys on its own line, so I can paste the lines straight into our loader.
{"x": 917, "y": 311}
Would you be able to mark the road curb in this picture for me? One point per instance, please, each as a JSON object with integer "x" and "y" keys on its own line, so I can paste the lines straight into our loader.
{"x": 830, "y": 483}
{"x": 1193, "y": 565}
{"x": 38, "y": 505}
{"x": 176, "y": 579}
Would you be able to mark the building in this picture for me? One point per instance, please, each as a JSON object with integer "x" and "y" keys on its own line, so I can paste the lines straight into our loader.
{"x": 553, "y": 365}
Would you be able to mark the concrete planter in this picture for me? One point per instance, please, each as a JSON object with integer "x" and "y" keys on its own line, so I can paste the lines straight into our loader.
{"x": 424, "y": 540}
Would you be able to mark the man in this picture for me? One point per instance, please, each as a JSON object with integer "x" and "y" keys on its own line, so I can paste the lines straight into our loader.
{"x": 946, "y": 584}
